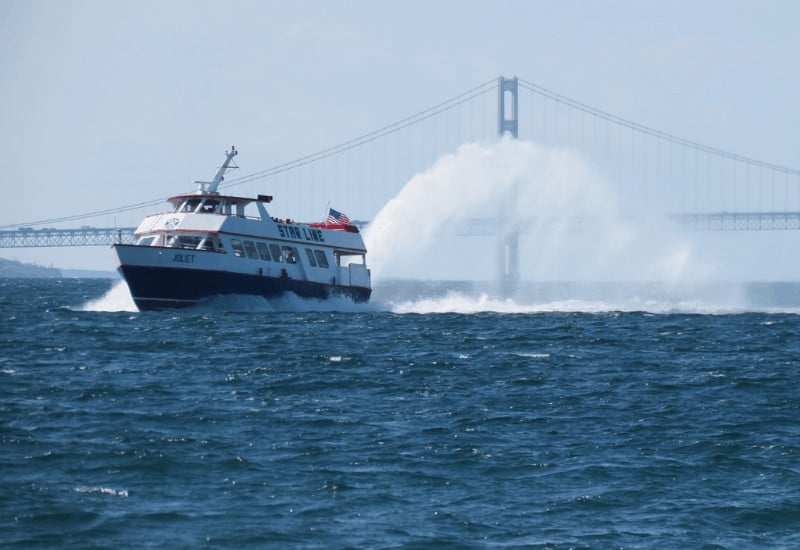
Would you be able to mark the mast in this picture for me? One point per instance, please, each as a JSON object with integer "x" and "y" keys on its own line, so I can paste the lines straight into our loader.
{"x": 211, "y": 186}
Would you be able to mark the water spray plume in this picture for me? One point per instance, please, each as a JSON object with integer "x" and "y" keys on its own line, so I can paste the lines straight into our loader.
{"x": 568, "y": 215}
{"x": 560, "y": 201}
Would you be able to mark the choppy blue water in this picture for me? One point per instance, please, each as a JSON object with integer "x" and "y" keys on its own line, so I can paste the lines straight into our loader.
{"x": 384, "y": 429}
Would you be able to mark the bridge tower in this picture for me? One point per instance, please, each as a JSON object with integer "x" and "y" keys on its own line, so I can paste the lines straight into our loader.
{"x": 507, "y": 120}
{"x": 507, "y": 236}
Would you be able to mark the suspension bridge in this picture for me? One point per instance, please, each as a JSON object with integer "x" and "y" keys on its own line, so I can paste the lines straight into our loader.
{"x": 694, "y": 185}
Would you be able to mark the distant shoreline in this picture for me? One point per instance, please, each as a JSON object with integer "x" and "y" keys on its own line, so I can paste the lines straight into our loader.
{"x": 12, "y": 269}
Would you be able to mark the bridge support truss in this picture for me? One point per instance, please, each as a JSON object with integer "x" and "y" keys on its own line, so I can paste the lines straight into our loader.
{"x": 87, "y": 236}
{"x": 740, "y": 221}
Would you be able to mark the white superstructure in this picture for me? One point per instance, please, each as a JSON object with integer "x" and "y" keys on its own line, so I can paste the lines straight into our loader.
{"x": 212, "y": 244}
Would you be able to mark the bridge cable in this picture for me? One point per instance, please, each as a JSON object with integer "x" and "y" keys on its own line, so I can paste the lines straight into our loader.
{"x": 481, "y": 89}
{"x": 564, "y": 100}
{"x": 484, "y": 88}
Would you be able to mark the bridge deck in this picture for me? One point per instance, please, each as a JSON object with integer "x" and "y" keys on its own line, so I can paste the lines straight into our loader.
{"x": 86, "y": 236}
{"x": 712, "y": 221}
{"x": 741, "y": 221}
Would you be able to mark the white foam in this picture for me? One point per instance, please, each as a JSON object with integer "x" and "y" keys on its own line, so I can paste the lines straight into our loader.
{"x": 118, "y": 298}
{"x": 102, "y": 490}
{"x": 456, "y": 302}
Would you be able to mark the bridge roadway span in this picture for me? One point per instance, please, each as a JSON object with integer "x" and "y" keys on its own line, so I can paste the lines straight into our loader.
{"x": 85, "y": 236}
{"x": 714, "y": 221}
{"x": 710, "y": 221}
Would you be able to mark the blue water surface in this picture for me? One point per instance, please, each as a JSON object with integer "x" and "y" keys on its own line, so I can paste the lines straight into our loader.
{"x": 393, "y": 430}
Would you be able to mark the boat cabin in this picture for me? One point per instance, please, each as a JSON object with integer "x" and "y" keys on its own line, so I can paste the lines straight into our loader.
{"x": 215, "y": 204}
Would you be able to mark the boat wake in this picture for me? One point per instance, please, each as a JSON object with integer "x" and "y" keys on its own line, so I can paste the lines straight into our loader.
{"x": 464, "y": 304}
{"x": 730, "y": 300}
{"x": 466, "y": 297}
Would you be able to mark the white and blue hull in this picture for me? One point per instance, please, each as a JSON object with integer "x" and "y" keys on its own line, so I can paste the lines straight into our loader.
{"x": 163, "y": 278}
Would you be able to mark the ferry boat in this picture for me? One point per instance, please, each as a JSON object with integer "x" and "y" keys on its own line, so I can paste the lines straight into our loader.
{"x": 211, "y": 244}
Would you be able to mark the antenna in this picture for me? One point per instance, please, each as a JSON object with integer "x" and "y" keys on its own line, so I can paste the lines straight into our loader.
{"x": 211, "y": 186}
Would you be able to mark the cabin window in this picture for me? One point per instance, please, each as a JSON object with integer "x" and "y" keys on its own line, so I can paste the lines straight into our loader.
{"x": 208, "y": 243}
{"x": 322, "y": 259}
{"x": 210, "y": 206}
{"x": 263, "y": 251}
{"x": 276, "y": 252}
{"x": 311, "y": 260}
{"x": 290, "y": 254}
{"x": 185, "y": 241}
{"x": 238, "y": 250}
{"x": 251, "y": 250}
{"x": 146, "y": 241}
{"x": 190, "y": 205}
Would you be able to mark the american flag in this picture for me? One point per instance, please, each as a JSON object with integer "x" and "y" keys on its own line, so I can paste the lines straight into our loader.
{"x": 334, "y": 216}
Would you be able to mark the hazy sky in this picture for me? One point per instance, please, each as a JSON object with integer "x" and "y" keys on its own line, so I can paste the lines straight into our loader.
{"x": 110, "y": 103}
